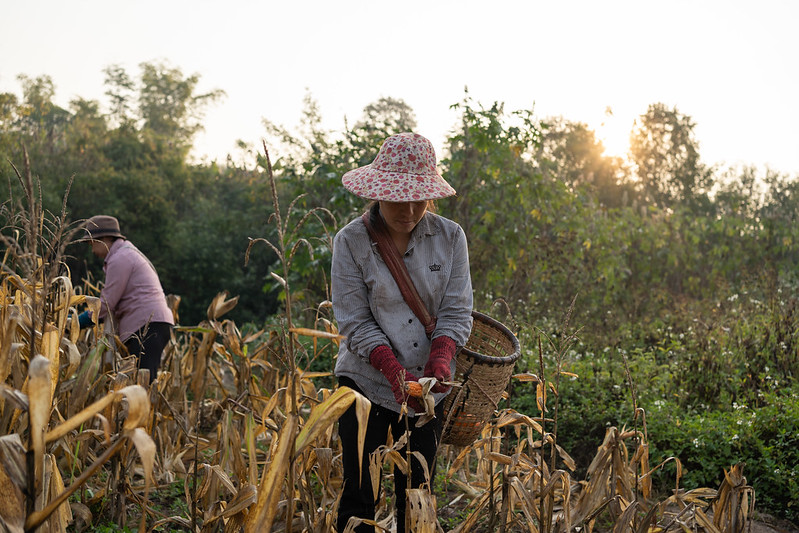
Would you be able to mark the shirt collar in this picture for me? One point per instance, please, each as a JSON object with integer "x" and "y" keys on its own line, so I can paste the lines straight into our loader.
{"x": 119, "y": 243}
{"x": 425, "y": 228}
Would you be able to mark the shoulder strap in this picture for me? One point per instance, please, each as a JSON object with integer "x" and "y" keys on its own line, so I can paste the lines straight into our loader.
{"x": 388, "y": 251}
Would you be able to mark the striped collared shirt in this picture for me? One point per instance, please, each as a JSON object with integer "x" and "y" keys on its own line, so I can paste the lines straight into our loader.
{"x": 370, "y": 310}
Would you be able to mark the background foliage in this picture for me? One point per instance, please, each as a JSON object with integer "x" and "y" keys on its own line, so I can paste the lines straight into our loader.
{"x": 685, "y": 275}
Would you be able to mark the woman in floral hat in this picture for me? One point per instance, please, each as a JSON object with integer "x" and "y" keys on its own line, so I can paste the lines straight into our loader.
{"x": 387, "y": 345}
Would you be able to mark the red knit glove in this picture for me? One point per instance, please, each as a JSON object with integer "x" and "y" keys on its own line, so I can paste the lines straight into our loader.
{"x": 384, "y": 360}
{"x": 442, "y": 350}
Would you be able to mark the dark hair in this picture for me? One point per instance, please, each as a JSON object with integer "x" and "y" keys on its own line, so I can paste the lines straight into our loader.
{"x": 432, "y": 206}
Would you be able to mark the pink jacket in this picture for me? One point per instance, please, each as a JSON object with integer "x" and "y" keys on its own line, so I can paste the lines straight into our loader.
{"x": 132, "y": 291}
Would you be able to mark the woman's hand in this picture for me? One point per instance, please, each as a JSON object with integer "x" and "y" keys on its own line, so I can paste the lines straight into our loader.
{"x": 85, "y": 319}
{"x": 384, "y": 360}
{"x": 442, "y": 350}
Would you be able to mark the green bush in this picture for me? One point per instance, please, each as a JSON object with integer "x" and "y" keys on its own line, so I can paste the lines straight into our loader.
{"x": 765, "y": 439}
{"x": 707, "y": 435}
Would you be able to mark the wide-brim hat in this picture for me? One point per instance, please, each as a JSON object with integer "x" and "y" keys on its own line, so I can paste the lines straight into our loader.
{"x": 403, "y": 171}
{"x": 100, "y": 226}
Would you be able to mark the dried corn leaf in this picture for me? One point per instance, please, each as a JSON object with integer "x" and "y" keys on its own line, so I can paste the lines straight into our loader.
{"x": 82, "y": 514}
{"x": 77, "y": 299}
{"x": 541, "y": 397}
{"x": 316, "y": 333}
{"x": 73, "y": 357}
{"x": 526, "y": 503}
{"x": 18, "y": 398}
{"x": 313, "y": 375}
{"x": 50, "y": 342}
{"x": 12, "y": 459}
{"x": 428, "y": 401}
{"x": 706, "y": 523}
{"x": 567, "y": 459}
{"x": 699, "y": 495}
{"x": 12, "y": 500}
{"x": 470, "y": 523}
{"x": 325, "y": 415}
{"x": 145, "y": 446}
{"x": 62, "y": 515}
{"x": 499, "y": 458}
{"x": 423, "y": 462}
{"x": 279, "y": 279}
{"x": 263, "y": 513}
{"x": 354, "y": 522}
{"x": 39, "y": 412}
{"x": 420, "y": 514}
{"x": 624, "y": 522}
{"x": 526, "y": 377}
{"x": 397, "y": 459}
{"x": 459, "y": 461}
{"x": 221, "y": 305}
{"x": 87, "y": 374}
{"x": 375, "y": 469}
{"x": 509, "y": 417}
{"x": 244, "y": 498}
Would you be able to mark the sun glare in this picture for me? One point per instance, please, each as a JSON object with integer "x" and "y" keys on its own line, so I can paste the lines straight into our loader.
{"x": 614, "y": 133}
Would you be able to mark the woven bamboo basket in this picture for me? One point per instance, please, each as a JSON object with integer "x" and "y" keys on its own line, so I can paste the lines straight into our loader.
{"x": 483, "y": 367}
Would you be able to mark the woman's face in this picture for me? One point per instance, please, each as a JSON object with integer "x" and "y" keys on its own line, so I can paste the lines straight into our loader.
{"x": 402, "y": 217}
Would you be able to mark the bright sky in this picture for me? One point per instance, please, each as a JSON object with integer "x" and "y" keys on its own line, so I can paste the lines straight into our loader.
{"x": 732, "y": 65}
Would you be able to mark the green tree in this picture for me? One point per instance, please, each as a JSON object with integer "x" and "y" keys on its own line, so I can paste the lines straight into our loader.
{"x": 384, "y": 117}
{"x": 9, "y": 106}
{"x": 8, "y": 110}
{"x": 169, "y": 106}
{"x": 665, "y": 154}
{"x": 311, "y": 162}
{"x": 570, "y": 152}
{"x": 309, "y": 165}
{"x": 37, "y": 125}
{"x": 38, "y": 117}
{"x": 121, "y": 93}
{"x": 502, "y": 199}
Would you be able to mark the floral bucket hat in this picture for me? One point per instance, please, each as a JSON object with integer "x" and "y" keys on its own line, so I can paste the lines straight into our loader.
{"x": 403, "y": 171}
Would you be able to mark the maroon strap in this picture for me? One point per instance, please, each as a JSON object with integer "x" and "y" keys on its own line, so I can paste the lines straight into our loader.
{"x": 388, "y": 251}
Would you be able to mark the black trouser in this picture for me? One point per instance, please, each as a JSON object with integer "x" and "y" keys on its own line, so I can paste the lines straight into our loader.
{"x": 148, "y": 343}
{"x": 359, "y": 501}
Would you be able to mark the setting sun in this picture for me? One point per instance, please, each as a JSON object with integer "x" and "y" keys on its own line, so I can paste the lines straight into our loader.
{"x": 614, "y": 133}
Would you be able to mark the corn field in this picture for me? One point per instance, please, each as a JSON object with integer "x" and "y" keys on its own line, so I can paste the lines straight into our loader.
{"x": 240, "y": 425}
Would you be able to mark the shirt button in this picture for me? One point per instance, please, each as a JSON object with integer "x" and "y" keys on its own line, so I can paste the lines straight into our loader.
{"x": 415, "y": 344}
{"x": 419, "y": 369}
{"x": 410, "y": 321}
